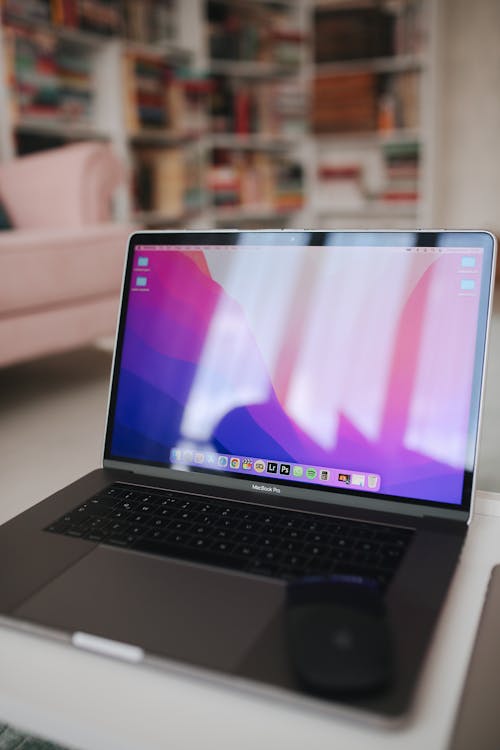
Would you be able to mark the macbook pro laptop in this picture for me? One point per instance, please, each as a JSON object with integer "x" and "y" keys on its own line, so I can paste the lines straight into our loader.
{"x": 283, "y": 405}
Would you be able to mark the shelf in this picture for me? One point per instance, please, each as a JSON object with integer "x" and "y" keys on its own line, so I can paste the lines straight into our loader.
{"x": 249, "y": 3}
{"x": 369, "y": 138}
{"x": 393, "y": 64}
{"x": 161, "y": 218}
{"x": 60, "y": 127}
{"x": 157, "y": 50}
{"x": 82, "y": 38}
{"x": 251, "y": 142}
{"x": 394, "y": 211}
{"x": 167, "y": 138}
{"x": 183, "y": 139}
{"x": 251, "y": 69}
{"x": 89, "y": 39}
{"x": 251, "y": 213}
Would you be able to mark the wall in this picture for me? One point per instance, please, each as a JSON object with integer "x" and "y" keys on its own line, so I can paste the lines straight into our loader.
{"x": 467, "y": 152}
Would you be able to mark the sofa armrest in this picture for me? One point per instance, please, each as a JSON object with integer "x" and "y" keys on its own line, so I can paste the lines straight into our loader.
{"x": 69, "y": 186}
{"x": 57, "y": 267}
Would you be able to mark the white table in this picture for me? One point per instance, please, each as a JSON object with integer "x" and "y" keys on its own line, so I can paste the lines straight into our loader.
{"x": 88, "y": 701}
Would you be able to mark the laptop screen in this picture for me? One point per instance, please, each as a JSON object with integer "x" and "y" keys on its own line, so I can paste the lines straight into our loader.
{"x": 342, "y": 362}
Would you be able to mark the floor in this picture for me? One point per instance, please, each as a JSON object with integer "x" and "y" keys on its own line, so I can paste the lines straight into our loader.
{"x": 53, "y": 413}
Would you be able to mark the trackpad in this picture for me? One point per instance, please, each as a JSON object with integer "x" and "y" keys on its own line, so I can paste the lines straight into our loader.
{"x": 173, "y": 609}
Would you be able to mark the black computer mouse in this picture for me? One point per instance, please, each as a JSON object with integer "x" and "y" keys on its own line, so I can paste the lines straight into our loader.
{"x": 338, "y": 635}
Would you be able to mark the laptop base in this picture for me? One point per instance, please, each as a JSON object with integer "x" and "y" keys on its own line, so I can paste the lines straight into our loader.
{"x": 195, "y": 616}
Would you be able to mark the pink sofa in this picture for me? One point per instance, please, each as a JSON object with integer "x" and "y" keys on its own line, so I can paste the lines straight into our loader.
{"x": 61, "y": 266}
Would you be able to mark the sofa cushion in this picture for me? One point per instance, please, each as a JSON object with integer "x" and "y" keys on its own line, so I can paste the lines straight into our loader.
{"x": 40, "y": 269}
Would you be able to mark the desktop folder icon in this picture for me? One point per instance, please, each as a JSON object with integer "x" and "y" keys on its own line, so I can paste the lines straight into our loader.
{"x": 468, "y": 261}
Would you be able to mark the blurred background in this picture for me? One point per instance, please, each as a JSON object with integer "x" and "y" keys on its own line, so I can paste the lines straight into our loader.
{"x": 215, "y": 113}
{"x": 352, "y": 113}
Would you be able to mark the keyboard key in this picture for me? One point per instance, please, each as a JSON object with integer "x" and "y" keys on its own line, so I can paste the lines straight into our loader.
{"x": 294, "y": 561}
{"x": 245, "y": 550}
{"x": 315, "y": 550}
{"x": 160, "y": 523}
{"x": 223, "y": 546}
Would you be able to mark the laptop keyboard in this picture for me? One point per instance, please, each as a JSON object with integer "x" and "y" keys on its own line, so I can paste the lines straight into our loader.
{"x": 236, "y": 535}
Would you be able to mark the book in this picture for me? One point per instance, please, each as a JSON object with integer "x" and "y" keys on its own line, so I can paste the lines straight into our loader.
{"x": 149, "y": 21}
{"x": 345, "y": 33}
{"x": 272, "y": 108}
{"x": 22, "y": 11}
{"x": 147, "y": 86}
{"x": 341, "y": 187}
{"x": 255, "y": 181}
{"x": 253, "y": 32}
{"x": 344, "y": 103}
{"x": 402, "y": 170}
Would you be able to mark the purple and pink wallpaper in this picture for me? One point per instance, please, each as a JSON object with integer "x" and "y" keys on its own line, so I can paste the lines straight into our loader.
{"x": 319, "y": 357}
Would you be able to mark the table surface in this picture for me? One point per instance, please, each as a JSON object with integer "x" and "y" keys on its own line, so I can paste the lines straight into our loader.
{"x": 87, "y": 701}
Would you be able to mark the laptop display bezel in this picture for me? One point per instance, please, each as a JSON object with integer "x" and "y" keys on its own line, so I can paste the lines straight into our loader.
{"x": 214, "y": 478}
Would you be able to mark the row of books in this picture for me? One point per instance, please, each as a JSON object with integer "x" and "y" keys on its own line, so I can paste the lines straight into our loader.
{"x": 350, "y": 33}
{"x": 254, "y": 180}
{"x": 399, "y": 103}
{"x": 146, "y": 21}
{"x": 368, "y": 31}
{"x": 193, "y": 88}
{"x": 341, "y": 186}
{"x": 273, "y": 108}
{"x": 253, "y": 32}
{"x": 402, "y": 167}
{"x": 97, "y": 16}
{"x": 243, "y": 32}
{"x": 344, "y": 103}
{"x": 49, "y": 79}
{"x": 149, "y": 21}
{"x": 148, "y": 92}
{"x": 409, "y": 28}
{"x": 36, "y": 11}
{"x": 160, "y": 96}
{"x": 168, "y": 181}
{"x": 360, "y": 102}
{"x": 349, "y": 186}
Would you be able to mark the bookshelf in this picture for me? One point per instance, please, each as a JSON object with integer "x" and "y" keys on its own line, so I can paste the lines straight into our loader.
{"x": 258, "y": 111}
{"x": 372, "y": 70}
{"x": 232, "y": 112}
{"x": 146, "y": 77}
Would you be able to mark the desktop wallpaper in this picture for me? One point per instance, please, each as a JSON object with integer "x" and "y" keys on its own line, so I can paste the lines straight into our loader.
{"x": 318, "y": 356}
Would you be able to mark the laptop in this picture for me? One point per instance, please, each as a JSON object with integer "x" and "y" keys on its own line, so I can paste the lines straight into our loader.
{"x": 283, "y": 404}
